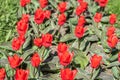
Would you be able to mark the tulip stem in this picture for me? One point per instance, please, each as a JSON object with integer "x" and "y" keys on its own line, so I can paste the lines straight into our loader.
{"x": 79, "y": 43}
{"x": 92, "y": 73}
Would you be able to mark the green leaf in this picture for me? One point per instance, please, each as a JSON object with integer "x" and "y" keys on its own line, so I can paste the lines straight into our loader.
{"x": 67, "y": 37}
{"x": 6, "y": 45}
{"x": 115, "y": 72}
{"x": 27, "y": 53}
{"x": 82, "y": 74}
{"x": 105, "y": 19}
{"x": 116, "y": 63}
{"x": 8, "y": 35}
{"x": 118, "y": 46}
{"x": 27, "y": 42}
{"x": 95, "y": 74}
{"x": 73, "y": 21}
{"x": 80, "y": 58}
{"x": 113, "y": 58}
{"x": 92, "y": 38}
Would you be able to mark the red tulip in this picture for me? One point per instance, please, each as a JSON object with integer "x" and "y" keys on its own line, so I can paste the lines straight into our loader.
{"x": 21, "y": 74}
{"x": 112, "y": 41}
{"x": 79, "y": 31}
{"x": 67, "y": 74}
{"x": 38, "y": 42}
{"x": 62, "y": 47}
{"x": 16, "y": 44}
{"x": 112, "y": 19}
{"x": 110, "y": 31}
{"x": 35, "y": 60}
{"x": 47, "y": 14}
{"x": 102, "y": 3}
{"x": 23, "y": 3}
{"x": 22, "y": 27}
{"x": 62, "y": 6}
{"x": 21, "y": 39}
{"x": 25, "y": 17}
{"x": 39, "y": 16}
{"x": 84, "y": 6}
{"x": 81, "y": 21}
{"x": 2, "y": 73}
{"x": 65, "y": 58}
{"x": 43, "y": 3}
{"x": 95, "y": 61}
{"x": 97, "y": 17}
{"x": 119, "y": 56}
{"x": 14, "y": 60}
{"x": 61, "y": 19}
{"x": 47, "y": 40}
{"x": 78, "y": 10}
{"x": 80, "y": 1}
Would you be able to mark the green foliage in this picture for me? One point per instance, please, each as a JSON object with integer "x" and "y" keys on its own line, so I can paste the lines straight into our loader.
{"x": 8, "y": 18}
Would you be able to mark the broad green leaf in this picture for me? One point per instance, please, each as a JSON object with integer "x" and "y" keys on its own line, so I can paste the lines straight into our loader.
{"x": 115, "y": 72}
{"x": 67, "y": 37}
{"x": 92, "y": 38}
{"x": 80, "y": 58}
{"x": 116, "y": 63}
{"x": 6, "y": 45}
{"x": 95, "y": 74}
{"x": 105, "y": 19}
{"x": 27, "y": 42}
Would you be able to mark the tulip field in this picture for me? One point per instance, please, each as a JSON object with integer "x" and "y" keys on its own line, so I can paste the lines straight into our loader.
{"x": 60, "y": 40}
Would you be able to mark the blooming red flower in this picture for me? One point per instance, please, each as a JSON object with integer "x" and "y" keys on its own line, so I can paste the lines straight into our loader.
{"x": 61, "y": 19}
{"x": 67, "y": 74}
{"x": 97, "y": 17}
{"x": 25, "y": 17}
{"x": 80, "y": 1}
{"x": 112, "y": 41}
{"x": 65, "y": 58}
{"x": 23, "y": 3}
{"x": 35, "y": 60}
{"x": 16, "y": 44}
{"x": 62, "y": 47}
{"x": 62, "y": 6}
{"x": 84, "y": 6}
{"x": 43, "y": 3}
{"x": 102, "y": 3}
{"x": 110, "y": 31}
{"x": 78, "y": 10}
{"x": 21, "y": 74}
{"x": 2, "y": 73}
{"x": 47, "y": 40}
{"x": 22, "y": 39}
{"x": 38, "y": 42}
{"x": 119, "y": 56}
{"x": 14, "y": 60}
{"x": 81, "y": 8}
{"x": 95, "y": 61}
{"x": 47, "y": 14}
{"x": 81, "y": 21}
{"x": 79, "y": 31}
{"x": 22, "y": 27}
{"x": 39, "y": 16}
{"x": 112, "y": 19}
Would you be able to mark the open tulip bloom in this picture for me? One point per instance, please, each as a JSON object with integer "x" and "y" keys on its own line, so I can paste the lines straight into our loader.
{"x": 62, "y": 40}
